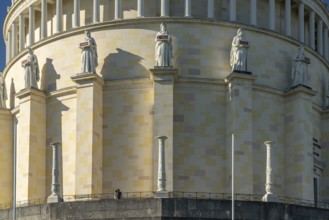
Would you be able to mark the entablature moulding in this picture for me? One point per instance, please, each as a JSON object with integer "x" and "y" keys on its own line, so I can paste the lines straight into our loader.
{"x": 20, "y": 6}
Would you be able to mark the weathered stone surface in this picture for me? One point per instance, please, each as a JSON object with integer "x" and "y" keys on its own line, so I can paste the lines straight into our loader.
{"x": 158, "y": 209}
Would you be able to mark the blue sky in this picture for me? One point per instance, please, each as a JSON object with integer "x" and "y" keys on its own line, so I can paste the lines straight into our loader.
{"x": 3, "y": 12}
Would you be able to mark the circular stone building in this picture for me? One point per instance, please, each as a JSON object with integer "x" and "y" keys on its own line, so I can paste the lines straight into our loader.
{"x": 106, "y": 123}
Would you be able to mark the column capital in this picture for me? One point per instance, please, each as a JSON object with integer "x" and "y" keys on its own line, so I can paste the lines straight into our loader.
{"x": 85, "y": 78}
{"x": 301, "y": 89}
{"x": 163, "y": 74}
{"x": 56, "y": 144}
{"x": 162, "y": 138}
{"x": 239, "y": 76}
{"x": 269, "y": 143}
{"x": 30, "y": 92}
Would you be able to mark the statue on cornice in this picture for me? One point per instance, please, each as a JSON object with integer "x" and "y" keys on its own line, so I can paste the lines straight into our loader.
{"x": 32, "y": 72}
{"x": 299, "y": 73}
{"x": 3, "y": 92}
{"x": 163, "y": 47}
{"x": 89, "y": 57}
{"x": 238, "y": 55}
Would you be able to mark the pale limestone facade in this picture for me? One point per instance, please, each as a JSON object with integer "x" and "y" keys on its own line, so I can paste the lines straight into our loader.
{"x": 107, "y": 123}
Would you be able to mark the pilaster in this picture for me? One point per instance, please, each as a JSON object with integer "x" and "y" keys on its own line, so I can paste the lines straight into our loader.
{"x": 233, "y": 10}
{"x": 13, "y": 40}
{"x": 89, "y": 139}
{"x": 188, "y": 8}
{"x": 43, "y": 19}
{"x": 239, "y": 122}
{"x": 287, "y": 17}
{"x": 165, "y": 8}
{"x": 6, "y": 156}
{"x": 301, "y": 22}
{"x": 140, "y": 8}
{"x": 76, "y": 17}
{"x": 59, "y": 16}
{"x": 31, "y": 145}
{"x": 163, "y": 118}
{"x": 271, "y": 14}
{"x": 211, "y": 11}
{"x": 320, "y": 37}
{"x": 253, "y": 12}
{"x": 31, "y": 25}
{"x": 117, "y": 9}
{"x": 95, "y": 11}
{"x": 299, "y": 142}
{"x": 312, "y": 29}
{"x": 21, "y": 41}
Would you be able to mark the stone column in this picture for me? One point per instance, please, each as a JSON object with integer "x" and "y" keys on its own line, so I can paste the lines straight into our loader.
{"x": 253, "y": 12}
{"x": 320, "y": 37}
{"x": 299, "y": 142}
{"x": 89, "y": 135}
{"x": 312, "y": 29}
{"x": 163, "y": 117}
{"x": 95, "y": 11}
{"x": 325, "y": 43}
{"x": 211, "y": 8}
{"x": 301, "y": 22}
{"x": 43, "y": 19}
{"x": 59, "y": 16}
{"x": 31, "y": 25}
{"x": 6, "y": 156}
{"x": 239, "y": 102}
{"x": 31, "y": 150}
{"x": 117, "y": 9}
{"x": 76, "y": 18}
{"x": 187, "y": 8}
{"x": 269, "y": 196}
{"x": 21, "y": 32}
{"x": 13, "y": 40}
{"x": 287, "y": 17}
{"x": 271, "y": 15}
{"x": 162, "y": 191}
{"x": 9, "y": 44}
{"x": 233, "y": 10}
{"x": 164, "y": 8}
{"x": 140, "y": 8}
{"x": 55, "y": 186}
{"x": 7, "y": 51}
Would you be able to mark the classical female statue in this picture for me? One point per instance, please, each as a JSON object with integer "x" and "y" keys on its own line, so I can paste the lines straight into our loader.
{"x": 3, "y": 92}
{"x": 238, "y": 55}
{"x": 32, "y": 73}
{"x": 163, "y": 47}
{"x": 299, "y": 73}
{"x": 88, "y": 54}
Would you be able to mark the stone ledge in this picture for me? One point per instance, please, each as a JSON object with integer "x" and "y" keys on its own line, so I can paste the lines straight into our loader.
{"x": 173, "y": 208}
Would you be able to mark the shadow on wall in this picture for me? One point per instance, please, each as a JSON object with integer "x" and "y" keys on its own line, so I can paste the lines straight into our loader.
{"x": 49, "y": 76}
{"x": 123, "y": 65}
{"x": 54, "y": 134}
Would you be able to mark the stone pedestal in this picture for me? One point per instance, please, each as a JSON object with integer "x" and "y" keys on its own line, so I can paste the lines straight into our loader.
{"x": 31, "y": 145}
{"x": 6, "y": 156}
{"x": 163, "y": 117}
{"x": 269, "y": 196}
{"x": 239, "y": 121}
{"x": 299, "y": 142}
{"x": 89, "y": 136}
